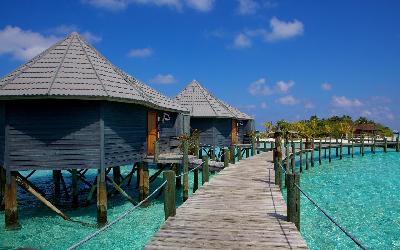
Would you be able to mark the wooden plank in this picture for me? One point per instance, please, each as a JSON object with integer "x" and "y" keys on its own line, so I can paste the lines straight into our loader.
{"x": 151, "y": 131}
{"x": 233, "y": 211}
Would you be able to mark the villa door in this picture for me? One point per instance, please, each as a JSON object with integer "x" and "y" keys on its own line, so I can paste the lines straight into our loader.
{"x": 151, "y": 131}
{"x": 234, "y": 132}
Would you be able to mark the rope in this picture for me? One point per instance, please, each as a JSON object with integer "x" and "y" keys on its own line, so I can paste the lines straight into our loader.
{"x": 188, "y": 171}
{"x": 344, "y": 230}
{"x": 91, "y": 236}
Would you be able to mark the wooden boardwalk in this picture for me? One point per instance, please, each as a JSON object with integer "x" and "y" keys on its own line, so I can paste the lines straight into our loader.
{"x": 240, "y": 208}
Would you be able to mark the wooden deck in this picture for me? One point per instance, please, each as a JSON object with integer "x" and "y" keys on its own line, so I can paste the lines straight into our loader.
{"x": 240, "y": 208}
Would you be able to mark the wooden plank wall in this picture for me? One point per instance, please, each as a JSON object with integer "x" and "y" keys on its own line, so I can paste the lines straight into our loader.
{"x": 213, "y": 131}
{"x": 223, "y": 132}
{"x": 168, "y": 131}
{"x": 2, "y": 129}
{"x": 125, "y": 131}
{"x": 53, "y": 134}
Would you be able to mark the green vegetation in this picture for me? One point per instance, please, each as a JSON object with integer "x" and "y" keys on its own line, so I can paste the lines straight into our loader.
{"x": 335, "y": 126}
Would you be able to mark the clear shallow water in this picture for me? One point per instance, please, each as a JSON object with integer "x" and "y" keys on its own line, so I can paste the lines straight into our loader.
{"x": 42, "y": 229}
{"x": 362, "y": 194}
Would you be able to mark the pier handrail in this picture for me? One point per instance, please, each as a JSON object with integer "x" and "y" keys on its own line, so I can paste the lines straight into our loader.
{"x": 343, "y": 229}
{"x": 127, "y": 212}
{"x": 187, "y": 172}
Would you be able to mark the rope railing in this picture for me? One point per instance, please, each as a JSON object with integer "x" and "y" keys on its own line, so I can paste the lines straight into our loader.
{"x": 343, "y": 229}
{"x": 191, "y": 170}
{"x": 93, "y": 235}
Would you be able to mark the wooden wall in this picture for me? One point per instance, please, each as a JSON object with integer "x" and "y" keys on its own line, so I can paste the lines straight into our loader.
{"x": 125, "y": 133}
{"x": 2, "y": 127}
{"x": 169, "y": 130}
{"x": 213, "y": 131}
{"x": 244, "y": 128}
{"x": 52, "y": 134}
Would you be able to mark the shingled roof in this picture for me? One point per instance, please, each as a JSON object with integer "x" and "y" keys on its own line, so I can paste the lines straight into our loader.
{"x": 201, "y": 103}
{"x": 73, "y": 69}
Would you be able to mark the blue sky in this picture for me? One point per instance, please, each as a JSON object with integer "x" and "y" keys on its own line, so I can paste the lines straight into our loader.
{"x": 272, "y": 59}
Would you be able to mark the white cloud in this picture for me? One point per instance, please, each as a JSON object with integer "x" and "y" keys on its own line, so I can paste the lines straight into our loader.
{"x": 263, "y": 105}
{"x": 284, "y": 87}
{"x": 309, "y": 105}
{"x": 326, "y": 86}
{"x": 241, "y": 41}
{"x": 282, "y": 30}
{"x": 117, "y": 5}
{"x": 201, "y": 5}
{"x": 287, "y": 100}
{"x": 67, "y": 29}
{"x": 141, "y": 53}
{"x": 344, "y": 102}
{"x": 259, "y": 87}
{"x": 164, "y": 79}
{"x": 24, "y": 44}
{"x": 90, "y": 37}
{"x": 247, "y": 7}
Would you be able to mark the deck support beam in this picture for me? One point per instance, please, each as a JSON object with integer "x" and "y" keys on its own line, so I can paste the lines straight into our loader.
{"x": 101, "y": 198}
{"x": 143, "y": 181}
{"x": 57, "y": 183}
{"x": 10, "y": 201}
{"x": 293, "y": 199}
{"x": 75, "y": 188}
{"x": 2, "y": 187}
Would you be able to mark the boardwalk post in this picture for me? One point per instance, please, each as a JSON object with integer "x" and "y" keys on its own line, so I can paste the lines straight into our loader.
{"x": 293, "y": 199}
{"x": 200, "y": 153}
{"x": 330, "y": 149}
{"x": 239, "y": 150}
{"x": 212, "y": 152}
{"x": 325, "y": 149}
{"x": 185, "y": 164}
{"x": 205, "y": 174}
{"x": 319, "y": 153}
{"x": 307, "y": 161}
{"x": 195, "y": 179}
{"x": 336, "y": 147}
{"x": 287, "y": 155}
{"x": 101, "y": 198}
{"x": 278, "y": 158}
{"x": 143, "y": 172}
{"x": 10, "y": 201}
{"x": 226, "y": 157}
{"x": 232, "y": 154}
{"x": 117, "y": 175}
{"x": 57, "y": 183}
{"x": 301, "y": 155}
{"x": 373, "y": 144}
{"x": 385, "y": 146}
{"x": 169, "y": 194}
{"x": 75, "y": 191}
{"x": 397, "y": 144}
{"x": 293, "y": 158}
{"x": 196, "y": 148}
{"x": 247, "y": 153}
{"x": 265, "y": 146}
{"x": 341, "y": 148}
{"x": 156, "y": 151}
{"x": 362, "y": 145}
{"x": 312, "y": 153}
{"x": 253, "y": 148}
{"x": 352, "y": 147}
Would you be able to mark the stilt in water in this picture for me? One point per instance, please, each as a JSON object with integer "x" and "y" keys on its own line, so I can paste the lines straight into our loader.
{"x": 319, "y": 153}
{"x": 301, "y": 155}
{"x": 330, "y": 149}
{"x": 287, "y": 153}
{"x": 57, "y": 183}
{"x": 143, "y": 181}
{"x": 185, "y": 163}
{"x": 362, "y": 145}
{"x": 325, "y": 149}
{"x": 385, "y": 145}
{"x": 101, "y": 198}
{"x": 177, "y": 168}
{"x": 293, "y": 158}
{"x": 397, "y": 144}
{"x": 307, "y": 163}
{"x": 117, "y": 175}
{"x": 312, "y": 153}
{"x": 352, "y": 147}
{"x": 75, "y": 189}
{"x": 341, "y": 148}
{"x": 10, "y": 201}
{"x": 2, "y": 187}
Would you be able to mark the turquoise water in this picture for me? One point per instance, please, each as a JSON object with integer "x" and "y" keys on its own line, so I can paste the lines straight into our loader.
{"x": 362, "y": 194}
{"x": 42, "y": 229}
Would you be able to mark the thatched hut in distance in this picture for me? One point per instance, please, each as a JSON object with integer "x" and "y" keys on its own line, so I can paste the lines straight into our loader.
{"x": 218, "y": 123}
{"x": 365, "y": 129}
{"x": 70, "y": 108}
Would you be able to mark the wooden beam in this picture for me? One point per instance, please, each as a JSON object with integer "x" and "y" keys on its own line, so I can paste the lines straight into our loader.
{"x": 101, "y": 198}
{"x": 10, "y": 202}
{"x": 169, "y": 194}
{"x": 57, "y": 183}
{"x": 119, "y": 189}
{"x": 75, "y": 188}
{"x": 185, "y": 163}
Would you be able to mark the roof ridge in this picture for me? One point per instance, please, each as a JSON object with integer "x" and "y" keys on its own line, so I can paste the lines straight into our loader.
{"x": 29, "y": 63}
{"x": 90, "y": 61}
{"x": 219, "y": 101}
{"x": 202, "y": 91}
{"x": 59, "y": 66}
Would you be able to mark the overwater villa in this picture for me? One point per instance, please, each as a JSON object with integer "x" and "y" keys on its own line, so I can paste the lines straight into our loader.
{"x": 69, "y": 108}
{"x": 218, "y": 124}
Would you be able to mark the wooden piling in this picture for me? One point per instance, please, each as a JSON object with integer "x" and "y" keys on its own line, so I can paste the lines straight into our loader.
{"x": 397, "y": 144}
{"x": 57, "y": 183}
{"x": 177, "y": 168}
{"x": 205, "y": 175}
{"x": 312, "y": 153}
{"x": 239, "y": 149}
{"x": 101, "y": 198}
{"x": 336, "y": 147}
{"x": 307, "y": 162}
{"x": 212, "y": 153}
{"x": 293, "y": 157}
{"x": 293, "y": 199}
{"x": 169, "y": 194}
{"x": 373, "y": 144}
{"x": 226, "y": 157}
{"x": 287, "y": 155}
{"x": 75, "y": 188}
{"x": 265, "y": 146}
{"x": 253, "y": 149}
{"x": 232, "y": 154}
{"x": 195, "y": 180}
{"x": 319, "y": 153}
{"x": 10, "y": 202}
{"x": 330, "y": 149}
{"x": 362, "y": 145}
{"x": 156, "y": 151}
{"x": 325, "y": 149}
{"x": 341, "y": 148}
{"x": 385, "y": 145}
{"x": 352, "y": 147}
{"x": 117, "y": 175}
{"x": 247, "y": 152}
{"x": 143, "y": 172}
{"x": 278, "y": 159}
{"x": 301, "y": 155}
{"x": 2, "y": 187}
{"x": 185, "y": 163}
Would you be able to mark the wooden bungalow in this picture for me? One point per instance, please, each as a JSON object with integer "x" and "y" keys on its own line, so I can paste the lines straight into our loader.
{"x": 69, "y": 108}
{"x": 218, "y": 123}
{"x": 365, "y": 129}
